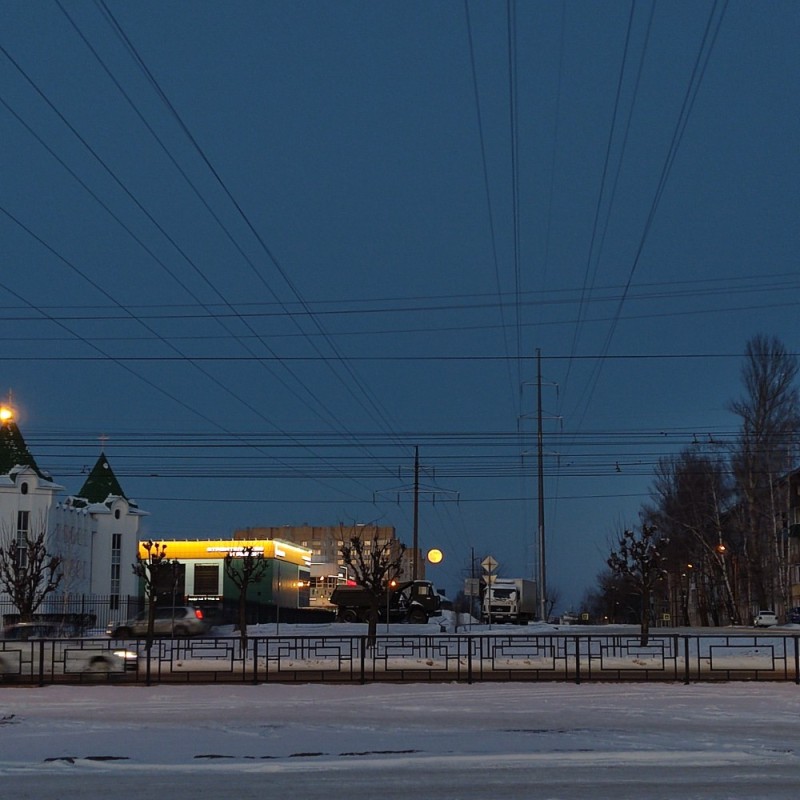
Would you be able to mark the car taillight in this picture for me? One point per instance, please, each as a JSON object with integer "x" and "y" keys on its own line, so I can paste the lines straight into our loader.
{"x": 198, "y": 613}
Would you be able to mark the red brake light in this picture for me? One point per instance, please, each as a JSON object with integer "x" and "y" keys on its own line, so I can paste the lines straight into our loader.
{"x": 198, "y": 613}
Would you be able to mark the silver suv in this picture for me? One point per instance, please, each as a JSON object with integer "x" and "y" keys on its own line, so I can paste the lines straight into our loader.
{"x": 26, "y": 643}
{"x": 169, "y": 621}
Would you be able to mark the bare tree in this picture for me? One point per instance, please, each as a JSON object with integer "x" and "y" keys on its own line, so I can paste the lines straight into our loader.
{"x": 374, "y": 564}
{"x": 770, "y": 413}
{"x": 613, "y": 599}
{"x": 28, "y": 572}
{"x": 690, "y": 493}
{"x": 156, "y": 572}
{"x": 244, "y": 568}
{"x": 638, "y": 558}
{"x": 551, "y": 599}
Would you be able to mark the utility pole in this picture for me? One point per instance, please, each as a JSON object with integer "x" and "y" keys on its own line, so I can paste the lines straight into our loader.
{"x": 416, "y": 514}
{"x": 541, "y": 571}
{"x": 540, "y": 470}
{"x": 416, "y": 489}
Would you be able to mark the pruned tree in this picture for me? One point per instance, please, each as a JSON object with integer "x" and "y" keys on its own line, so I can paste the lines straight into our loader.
{"x": 28, "y": 571}
{"x": 373, "y": 564}
{"x": 244, "y": 568}
{"x": 156, "y": 572}
{"x": 638, "y": 558}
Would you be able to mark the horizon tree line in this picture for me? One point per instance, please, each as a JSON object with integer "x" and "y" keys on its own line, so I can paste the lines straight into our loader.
{"x": 723, "y": 516}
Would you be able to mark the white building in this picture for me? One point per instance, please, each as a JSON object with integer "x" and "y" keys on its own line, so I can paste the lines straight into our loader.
{"x": 95, "y": 531}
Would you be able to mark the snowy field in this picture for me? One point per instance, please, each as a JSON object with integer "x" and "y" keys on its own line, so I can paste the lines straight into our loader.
{"x": 729, "y": 740}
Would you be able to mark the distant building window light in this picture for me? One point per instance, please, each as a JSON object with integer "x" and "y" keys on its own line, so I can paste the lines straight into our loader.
{"x": 116, "y": 549}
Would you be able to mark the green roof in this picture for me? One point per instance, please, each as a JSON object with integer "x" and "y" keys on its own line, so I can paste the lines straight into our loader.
{"x": 101, "y": 483}
{"x": 13, "y": 450}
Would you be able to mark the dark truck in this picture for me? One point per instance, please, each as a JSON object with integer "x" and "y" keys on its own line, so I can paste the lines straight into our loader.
{"x": 405, "y": 601}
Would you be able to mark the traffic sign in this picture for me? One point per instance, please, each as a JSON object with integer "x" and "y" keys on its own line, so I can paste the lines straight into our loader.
{"x": 489, "y": 564}
{"x": 472, "y": 587}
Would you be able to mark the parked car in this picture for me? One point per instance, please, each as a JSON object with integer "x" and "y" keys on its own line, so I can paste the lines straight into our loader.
{"x": 793, "y": 615}
{"x": 20, "y": 652}
{"x": 765, "y": 619}
{"x": 179, "y": 621}
{"x": 23, "y": 631}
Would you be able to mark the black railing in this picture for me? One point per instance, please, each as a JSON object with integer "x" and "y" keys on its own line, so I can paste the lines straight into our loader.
{"x": 79, "y": 613}
{"x": 406, "y": 658}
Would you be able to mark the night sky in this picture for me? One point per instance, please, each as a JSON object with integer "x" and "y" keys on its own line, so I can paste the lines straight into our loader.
{"x": 260, "y": 251}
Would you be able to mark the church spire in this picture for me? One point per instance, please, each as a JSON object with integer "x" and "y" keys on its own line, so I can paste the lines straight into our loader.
{"x": 101, "y": 483}
{"x": 13, "y": 450}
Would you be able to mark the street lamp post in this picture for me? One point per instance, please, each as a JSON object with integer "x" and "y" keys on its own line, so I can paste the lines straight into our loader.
{"x": 278, "y": 603}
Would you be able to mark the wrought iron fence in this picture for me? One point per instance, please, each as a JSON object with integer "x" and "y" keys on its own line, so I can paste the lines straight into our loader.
{"x": 407, "y": 658}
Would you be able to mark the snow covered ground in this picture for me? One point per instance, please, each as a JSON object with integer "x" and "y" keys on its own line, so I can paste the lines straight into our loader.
{"x": 554, "y": 740}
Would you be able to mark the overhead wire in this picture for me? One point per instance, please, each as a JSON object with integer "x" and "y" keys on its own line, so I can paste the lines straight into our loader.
{"x": 105, "y": 355}
{"x": 317, "y": 401}
{"x": 365, "y": 392}
{"x": 130, "y": 313}
{"x": 586, "y": 289}
{"x": 695, "y": 81}
{"x": 487, "y": 193}
{"x": 594, "y": 255}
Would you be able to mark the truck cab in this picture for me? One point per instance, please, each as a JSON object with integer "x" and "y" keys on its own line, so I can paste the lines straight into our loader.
{"x": 509, "y": 600}
{"x": 404, "y": 601}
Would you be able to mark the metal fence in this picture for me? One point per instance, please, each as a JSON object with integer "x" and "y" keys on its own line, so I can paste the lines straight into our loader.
{"x": 407, "y": 658}
{"x": 79, "y": 612}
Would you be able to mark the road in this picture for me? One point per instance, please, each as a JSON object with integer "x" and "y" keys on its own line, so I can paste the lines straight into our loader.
{"x": 438, "y": 742}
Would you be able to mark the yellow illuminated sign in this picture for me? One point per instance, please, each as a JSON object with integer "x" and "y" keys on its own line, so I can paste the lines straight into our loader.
{"x": 197, "y": 549}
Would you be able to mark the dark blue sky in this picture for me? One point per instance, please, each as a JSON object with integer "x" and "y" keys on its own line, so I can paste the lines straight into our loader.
{"x": 267, "y": 248}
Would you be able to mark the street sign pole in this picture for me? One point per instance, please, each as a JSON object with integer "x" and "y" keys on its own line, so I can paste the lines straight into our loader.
{"x": 489, "y": 566}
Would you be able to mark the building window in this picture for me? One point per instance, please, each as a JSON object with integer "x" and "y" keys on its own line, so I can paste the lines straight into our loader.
{"x": 206, "y": 579}
{"x": 23, "y": 489}
{"x": 116, "y": 558}
{"x": 23, "y": 532}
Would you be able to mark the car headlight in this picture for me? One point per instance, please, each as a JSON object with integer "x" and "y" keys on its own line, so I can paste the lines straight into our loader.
{"x": 126, "y": 655}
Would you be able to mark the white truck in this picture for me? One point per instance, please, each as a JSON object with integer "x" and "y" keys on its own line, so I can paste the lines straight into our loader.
{"x": 509, "y": 600}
